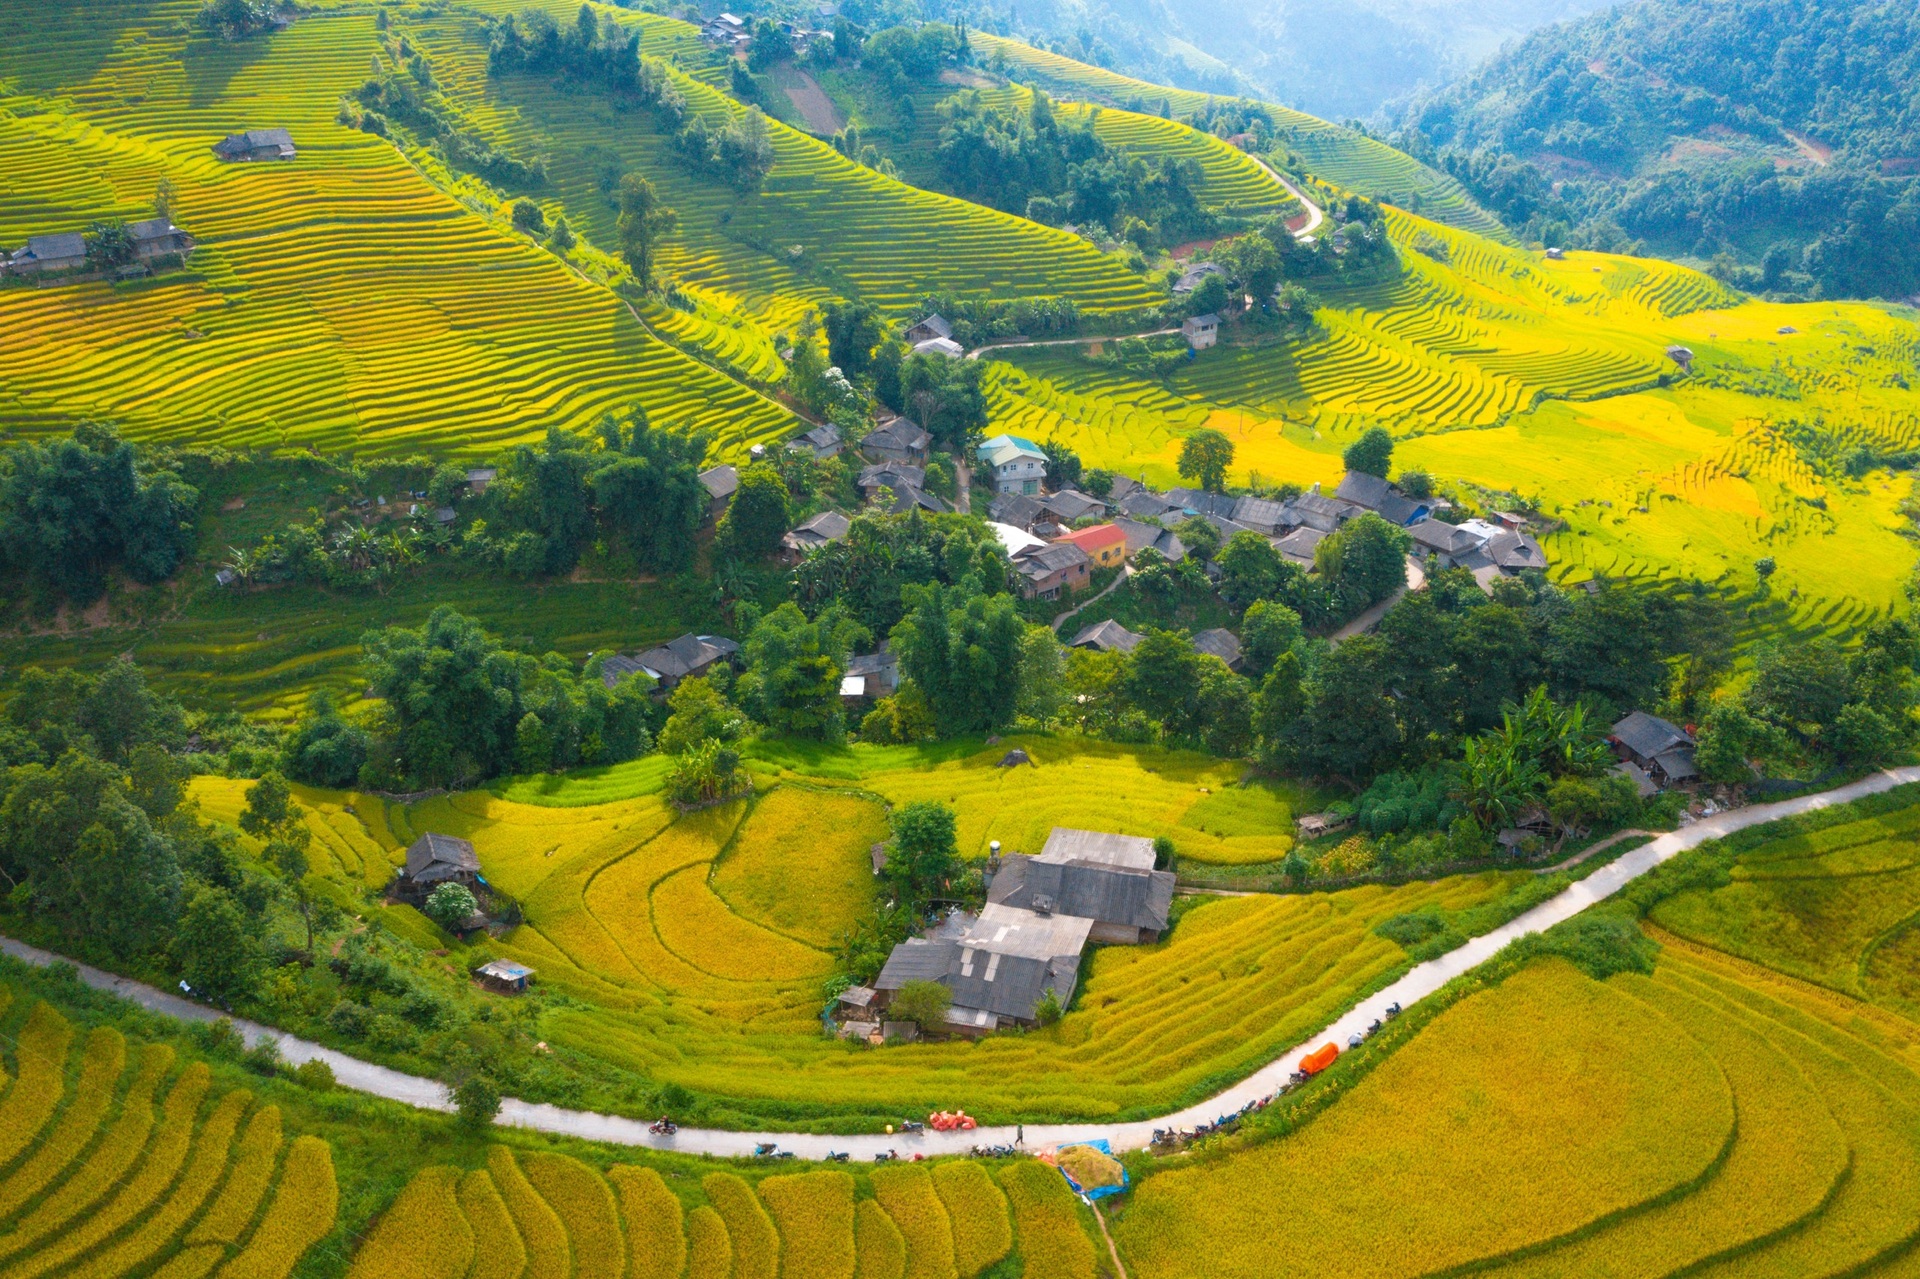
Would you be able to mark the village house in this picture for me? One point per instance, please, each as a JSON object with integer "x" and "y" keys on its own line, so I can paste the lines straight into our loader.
{"x": 1221, "y": 643}
{"x": 926, "y": 330}
{"x": 687, "y": 657}
{"x": 1660, "y": 750}
{"x": 1489, "y": 551}
{"x": 893, "y": 475}
{"x": 1104, "y": 544}
{"x": 821, "y": 442}
{"x": 158, "y": 238}
{"x": 1382, "y": 498}
{"x": 1017, "y": 510}
{"x": 721, "y": 483}
{"x": 1142, "y": 536}
{"x": 479, "y": 477}
{"x": 1191, "y": 277}
{"x": 1201, "y": 331}
{"x": 871, "y": 675}
{"x": 433, "y": 860}
{"x": 1015, "y": 465}
{"x": 1051, "y": 569}
{"x": 1106, "y": 637}
{"x": 724, "y": 29}
{"x": 908, "y": 498}
{"x": 64, "y": 251}
{"x": 256, "y": 144}
{"x": 1300, "y": 546}
{"x": 947, "y": 347}
{"x": 1263, "y": 515}
{"x": 1014, "y": 539}
{"x": 813, "y": 533}
{"x": 1026, "y": 942}
{"x": 900, "y": 440}
{"x": 1316, "y": 511}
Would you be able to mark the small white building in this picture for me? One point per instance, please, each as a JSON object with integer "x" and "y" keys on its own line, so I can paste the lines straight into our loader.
{"x": 1201, "y": 331}
{"x": 940, "y": 346}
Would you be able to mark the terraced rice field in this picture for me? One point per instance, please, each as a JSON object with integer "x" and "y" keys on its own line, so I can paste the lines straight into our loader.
{"x": 113, "y": 1163}
{"x": 1339, "y": 155}
{"x": 687, "y": 965}
{"x": 338, "y": 301}
{"x": 1836, "y": 906}
{"x": 1819, "y": 1176}
{"x": 550, "y": 1210}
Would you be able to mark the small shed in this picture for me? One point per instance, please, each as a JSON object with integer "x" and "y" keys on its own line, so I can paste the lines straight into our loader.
{"x": 504, "y": 976}
{"x": 1014, "y": 758}
{"x": 1201, "y": 331}
{"x": 856, "y": 999}
{"x": 1314, "y": 825}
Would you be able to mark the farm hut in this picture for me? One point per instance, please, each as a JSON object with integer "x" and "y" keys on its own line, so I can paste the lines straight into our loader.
{"x": 1044, "y": 573}
{"x": 1662, "y": 750}
{"x": 225, "y": 577}
{"x": 158, "y": 238}
{"x": 721, "y": 483}
{"x": 1682, "y": 356}
{"x": 822, "y": 442}
{"x": 687, "y": 657}
{"x": 1106, "y": 637}
{"x": 1014, "y": 758}
{"x": 479, "y": 477}
{"x": 813, "y": 533}
{"x": 856, "y": 1000}
{"x": 877, "y": 854}
{"x": 900, "y": 440}
{"x": 433, "y": 860}
{"x": 1191, "y": 277}
{"x": 65, "y": 251}
{"x": 444, "y": 515}
{"x": 1314, "y": 825}
{"x": 1643, "y": 785}
{"x": 928, "y": 329}
{"x": 256, "y": 144}
{"x": 1104, "y": 544}
{"x": 1201, "y": 331}
{"x": 504, "y": 976}
{"x": 1555, "y": 253}
{"x": 1221, "y": 643}
{"x": 947, "y": 347}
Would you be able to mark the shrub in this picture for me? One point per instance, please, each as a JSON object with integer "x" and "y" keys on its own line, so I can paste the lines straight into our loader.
{"x": 478, "y": 1101}
{"x": 314, "y": 1075}
{"x": 923, "y": 1002}
{"x": 349, "y": 1019}
{"x": 264, "y": 1058}
{"x": 450, "y": 906}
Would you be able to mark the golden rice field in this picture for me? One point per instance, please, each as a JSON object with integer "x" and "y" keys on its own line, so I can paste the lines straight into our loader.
{"x": 547, "y": 1214}
{"x": 1836, "y": 906}
{"x": 1713, "y": 1119}
{"x": 694, "y": 948}
{"x": 113, "y": 1163}
{"x": 1537, "y": 378}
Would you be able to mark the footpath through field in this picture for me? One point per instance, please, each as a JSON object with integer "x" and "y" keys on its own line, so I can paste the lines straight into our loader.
{"x": 1422, "y": 981}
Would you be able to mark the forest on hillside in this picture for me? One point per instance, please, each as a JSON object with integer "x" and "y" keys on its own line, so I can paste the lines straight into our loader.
{"x": 1777, "y": 139}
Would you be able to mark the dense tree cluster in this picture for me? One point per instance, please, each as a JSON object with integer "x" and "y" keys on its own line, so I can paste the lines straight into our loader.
{"x": 74, "y": 510}
{"x": 1613, "y": 92}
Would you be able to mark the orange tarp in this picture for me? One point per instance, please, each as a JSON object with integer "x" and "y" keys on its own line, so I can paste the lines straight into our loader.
{"x": 1318, "y": 1060}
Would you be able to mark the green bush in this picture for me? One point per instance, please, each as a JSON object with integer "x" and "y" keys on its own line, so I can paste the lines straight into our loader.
{"x": 314, "y": 1075}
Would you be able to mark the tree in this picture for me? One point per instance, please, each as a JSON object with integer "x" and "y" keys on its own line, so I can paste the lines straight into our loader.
{"x": 1205, "y": 455}
{"x": 945, "y": 397}
{"x": 923, "y": 858}
{"x": 1268, "y": 630}
{"x": 324, "y": 748}
{"x": 644, "y": 219}
{"x": 1800, "y": 686}
{"x": 648, "y": 497}
{"x": 532, "y": 744}
{"x": 746, "y": 149}
{"x": 477, "y": 1099}
{"x": 1254, "y": 262}
{"x": 1223, "y": 711}
{"x": 924, "y": 1003}
{"x": 528, "y": 218}
{"x": 109, "y": 245}
{"x": 962, "y": 650}
{"x": 216, "y": 946}
{"x": 1496, "y": 781}
{"x": 852, "y": 330}
{"x": 1200, "y": 537}
{"x": 705, "y": 772}
{"x": 699, "y": 712}
{"x": 452, "y": 698}
{"x": 1861, "y": 735}
{"x": 758, "y": 517}
{"x": 1250, "y": 569}
{"x": 450, "y": 906}
{"x": 1163, "y": 680}
{"x": 1364, "y": 562}
{"x": 1210, "y": 295}
{"x": 1372, "y": 453}
{"x": 794, "y": 664}
{"x": 1063, "y": 465}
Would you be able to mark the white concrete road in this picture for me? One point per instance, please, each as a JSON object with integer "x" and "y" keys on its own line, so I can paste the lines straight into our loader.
{"x": 1422, "y": 981}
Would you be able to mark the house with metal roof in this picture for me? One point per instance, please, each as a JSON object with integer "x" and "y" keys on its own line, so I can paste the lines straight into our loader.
{"x": 901, "y": 440}
{"x": 721, "y": 483}
{"x": 927, "y": 329}
{"x": 1201, "y": 331}
{"x": 1046, "y": 571}
{"x": 945, "y": 347}
{"x": 687, "y": 657}
{"x": 433, "y": 860}
{"x": 1221, "y": 643}
{"x": 504, "y": 975}
{"x": 1015, "y": 464}
{"x": 815, "y": 532}
{"x": 1664, "y": 751}
{"x": 1300, "y": 546}
{"x": 1104, "y": 544}
{"x": 1382, "y": 498}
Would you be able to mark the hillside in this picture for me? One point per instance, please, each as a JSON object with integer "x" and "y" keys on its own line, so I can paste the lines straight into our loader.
{"x": 1781, "y": 135}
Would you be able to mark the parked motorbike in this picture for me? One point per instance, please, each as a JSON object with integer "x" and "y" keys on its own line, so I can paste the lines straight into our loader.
{"x": 764, "y": 1149}
{"x": 912, "y": 1126}
{"x": 663, "y": 1127}
{"x": 837, "y": 1156}
{"x": 886, "y": 1156}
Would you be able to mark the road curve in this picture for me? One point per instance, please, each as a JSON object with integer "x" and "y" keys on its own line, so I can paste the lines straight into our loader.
{"x": 1421, "y": 981}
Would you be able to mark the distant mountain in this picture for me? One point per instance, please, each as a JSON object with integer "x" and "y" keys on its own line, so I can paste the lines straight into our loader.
{"x": 1778, "y": 137}
{"x": 1335, "y": 61}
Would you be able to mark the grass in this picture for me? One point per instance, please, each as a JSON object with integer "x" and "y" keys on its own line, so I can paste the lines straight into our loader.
{"x": 1470, "y": 1142}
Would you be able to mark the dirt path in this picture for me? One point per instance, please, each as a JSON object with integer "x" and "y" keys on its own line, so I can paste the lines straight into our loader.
{"x": 1595, "y": 849}
{"x": 1416, "y": 579}
{"x": 810, "y": 100}
{"x": 1423, "y": 980}
{"x": 1126, "y": 571}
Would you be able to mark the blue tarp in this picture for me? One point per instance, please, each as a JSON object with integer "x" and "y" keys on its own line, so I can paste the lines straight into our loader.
{"x": 1098, "y": 1192}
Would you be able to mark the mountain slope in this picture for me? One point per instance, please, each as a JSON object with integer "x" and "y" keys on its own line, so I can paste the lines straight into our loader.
{"x": 1708, "y": 127}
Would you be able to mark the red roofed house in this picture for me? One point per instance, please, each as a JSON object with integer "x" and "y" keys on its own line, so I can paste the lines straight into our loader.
{"x": 1104, "y": 544}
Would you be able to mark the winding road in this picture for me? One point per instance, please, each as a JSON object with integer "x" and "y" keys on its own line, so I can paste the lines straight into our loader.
{"x": 1421, "y": 981}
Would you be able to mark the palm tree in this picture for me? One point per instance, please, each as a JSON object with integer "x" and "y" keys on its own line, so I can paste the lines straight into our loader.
{"x": 243, "y": 564}
{"x": 1497, "y": 783}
